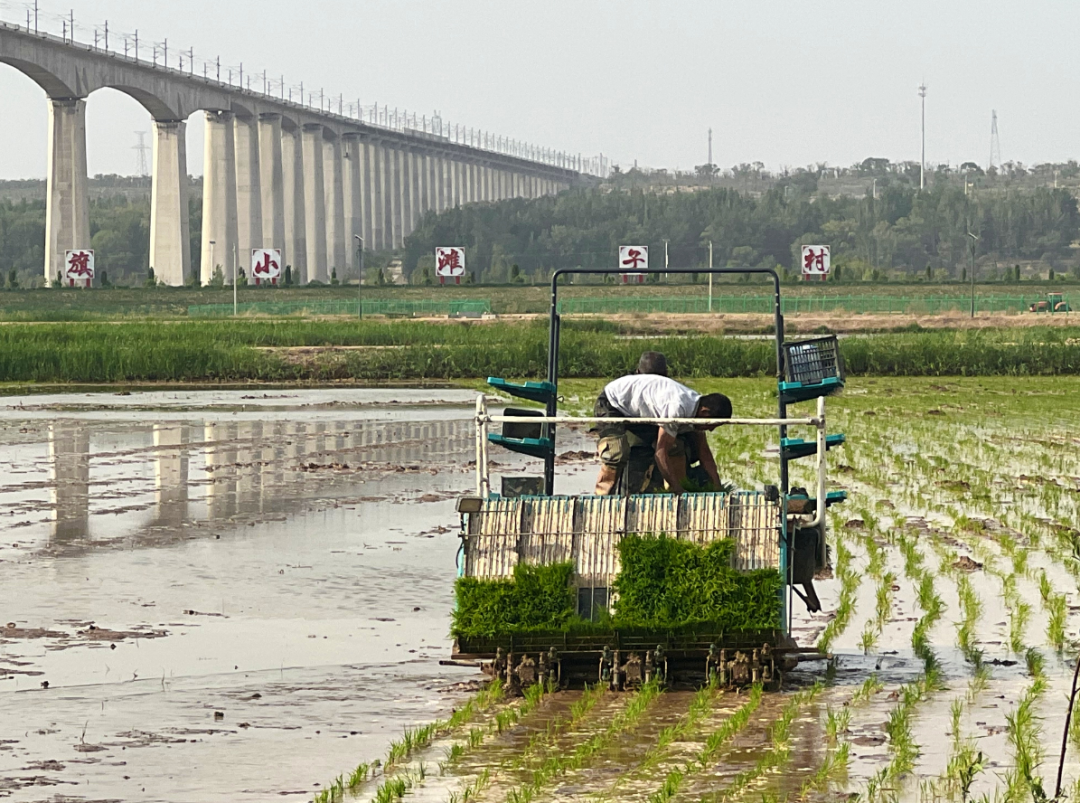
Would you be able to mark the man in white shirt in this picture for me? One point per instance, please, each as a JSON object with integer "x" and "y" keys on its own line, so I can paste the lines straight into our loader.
{"x": 654, "y": 396}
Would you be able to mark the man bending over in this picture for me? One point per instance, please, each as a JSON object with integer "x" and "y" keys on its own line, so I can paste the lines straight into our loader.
{"x": 654, "y": 396}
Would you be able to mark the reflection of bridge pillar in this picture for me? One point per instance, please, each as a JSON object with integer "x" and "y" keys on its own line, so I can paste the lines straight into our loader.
{"x": 249, "y": 233}
{"x": 171, "y": 473}
{"x": 353, "y": 182}
{"x": 335, "y": 205}
{"x": 69, "y": 453}
{"x": 314, "y": 202}
{"x": 67, "y": 211}
{"x": 272, "y": 185}
{"x": 219, "y": 196}
{"x": 292, "y": 164}
{"x": 170, "y": 230}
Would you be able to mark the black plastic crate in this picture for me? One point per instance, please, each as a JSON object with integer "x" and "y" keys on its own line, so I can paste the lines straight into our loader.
{"x": 811, "y": 362}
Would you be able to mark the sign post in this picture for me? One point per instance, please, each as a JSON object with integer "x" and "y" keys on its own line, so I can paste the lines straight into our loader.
{"x": 449, "y": 263}
{"x": 266, "y": 265}
{"x": 79, "y": 267}
{"x": 815, "y": 262}
{"x": 631, "y": 257}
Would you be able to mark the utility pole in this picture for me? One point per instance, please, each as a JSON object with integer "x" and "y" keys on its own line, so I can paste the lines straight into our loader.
{"x": 922, "y": 163}
{"x": 710, "y": 273}
{"x": 710, "y": 155}
{"x": 974, "y": 242}
{"x": 359, "y": 276}
{"x": 235, "y": 265}
{"x": 665, "y": 260}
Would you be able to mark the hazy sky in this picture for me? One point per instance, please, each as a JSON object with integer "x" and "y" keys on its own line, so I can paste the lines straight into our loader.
{"x": 785, "y": 83}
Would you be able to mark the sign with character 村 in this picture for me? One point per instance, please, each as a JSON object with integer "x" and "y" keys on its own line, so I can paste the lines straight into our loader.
{"x": 79, "y": 267}
{"x": 815, "y": 262}
{"x": 265, "y": 265}
{"x": 631, "y": 257}
{"x": 449, "y": 263}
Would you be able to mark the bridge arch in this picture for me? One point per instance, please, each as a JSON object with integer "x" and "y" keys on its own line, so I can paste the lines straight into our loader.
{"x": 52, "y": 84}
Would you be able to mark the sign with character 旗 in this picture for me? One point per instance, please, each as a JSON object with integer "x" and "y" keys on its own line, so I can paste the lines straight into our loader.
{"x": 79, "y": 267}
{"x": 630, "y": 257}
{"x": 265, "y": 265}
{"x": 449, "y": 263}
{"x": 815, "y": 262}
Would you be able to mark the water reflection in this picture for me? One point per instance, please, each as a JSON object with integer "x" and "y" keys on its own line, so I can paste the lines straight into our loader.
{"x": 69, "y": 453}
{"x": 153, "y": 476}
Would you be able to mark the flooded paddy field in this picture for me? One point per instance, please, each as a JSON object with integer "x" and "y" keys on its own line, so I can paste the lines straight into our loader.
{"x": 276, "y": 578}
{"x": 215, "y": 596}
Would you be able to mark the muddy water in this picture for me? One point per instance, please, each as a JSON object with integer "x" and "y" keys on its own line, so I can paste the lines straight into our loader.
{"x": 217, "y": 596}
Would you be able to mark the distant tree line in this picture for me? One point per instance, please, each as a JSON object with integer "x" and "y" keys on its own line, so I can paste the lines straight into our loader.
{"x": 902, "y": 233}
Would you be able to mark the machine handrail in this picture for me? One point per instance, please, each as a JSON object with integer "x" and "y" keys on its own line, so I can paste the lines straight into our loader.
{"x": 571, "y": 419}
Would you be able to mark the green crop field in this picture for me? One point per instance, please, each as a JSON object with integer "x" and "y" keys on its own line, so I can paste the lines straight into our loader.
{"x": 117, "y": 303}
{"x": 952, "y": 607}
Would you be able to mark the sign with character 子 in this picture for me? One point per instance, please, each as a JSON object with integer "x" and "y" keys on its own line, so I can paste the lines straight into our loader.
{"x": 449, "y": 263}
{"x": 265, "y": 265}
{"x": 79, "y": 267}
{"x": 633, "y": 257}
{"x": 815, "y": 262}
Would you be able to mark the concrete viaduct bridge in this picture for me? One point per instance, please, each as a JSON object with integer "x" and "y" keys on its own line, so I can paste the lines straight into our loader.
{"x": 277, "y": 174}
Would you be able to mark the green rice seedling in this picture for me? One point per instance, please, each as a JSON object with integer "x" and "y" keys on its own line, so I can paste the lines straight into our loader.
{"x": 358, "y": 775}
{"x": 476, "y": 736}
{"x": 391, "y": 790}
{"x": 1018, "y": 619}
{"x": 1023, "y": 731}
{"x": 454, "y": 753}
{"x": 836, "y": 723}
{"x": 869, "y": 687}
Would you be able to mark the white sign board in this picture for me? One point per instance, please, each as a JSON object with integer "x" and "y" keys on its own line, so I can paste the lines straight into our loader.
{"x": 633, "y": 257}
{"x": 815, "y": 261}
{"x": 265, "y": 265}
{"x": 79, "y": 267}
{"x": 449, "y": 263}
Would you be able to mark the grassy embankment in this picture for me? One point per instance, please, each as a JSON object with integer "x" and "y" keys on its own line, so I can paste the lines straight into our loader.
{"x": 322, "y": 351}
{"x": 127, "y": 303}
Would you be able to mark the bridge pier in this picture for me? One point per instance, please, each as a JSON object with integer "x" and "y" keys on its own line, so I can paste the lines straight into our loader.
{"x": 272, "y": 186}
{"x": 170, "y": 229}
{"x": 393, "y": 223}
{"x": 381, "y": 184}
{"x": 292, "y": 171}
{"x": 351, "y": 152}
{"x": 67, "y": 211}
{"x": 219, "y": 197}
{"x": 248, "y": 191}
{"x": 333, "y": 185}
{"x": 367, "y": 177}
{"x": 314, "y": 202}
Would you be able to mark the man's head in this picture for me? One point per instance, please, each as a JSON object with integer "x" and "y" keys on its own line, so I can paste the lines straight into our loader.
{"x": 713, "y": 405}
{"x": 652, "y": 362}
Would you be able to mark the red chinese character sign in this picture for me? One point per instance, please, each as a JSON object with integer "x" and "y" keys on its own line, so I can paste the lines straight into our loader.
{"x": 265, "y": 265}
{"x": 79, "y": 267}
{"x": 632, "y": 258}
{"x": 449, "y": 263}
{"x": 815, "y": 262}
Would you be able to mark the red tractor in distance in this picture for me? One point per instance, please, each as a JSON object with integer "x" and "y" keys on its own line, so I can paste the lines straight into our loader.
{"x": 1055, "y": 302}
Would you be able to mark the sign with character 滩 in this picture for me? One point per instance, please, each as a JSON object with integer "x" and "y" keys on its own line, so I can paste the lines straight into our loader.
{"x": 449, "y": 263}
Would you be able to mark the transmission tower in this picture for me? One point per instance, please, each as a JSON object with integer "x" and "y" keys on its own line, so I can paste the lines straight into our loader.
{"x": 995, "y": 143}
{"x": 143, "y": 164}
